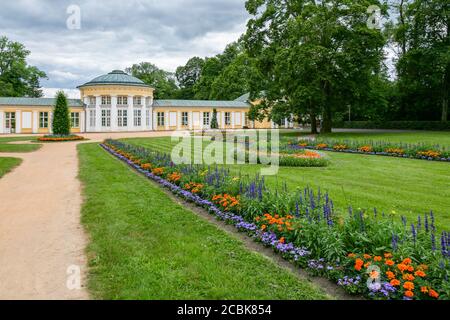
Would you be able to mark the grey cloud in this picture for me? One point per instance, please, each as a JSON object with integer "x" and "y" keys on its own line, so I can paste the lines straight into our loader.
{"x": 115, "y": 34}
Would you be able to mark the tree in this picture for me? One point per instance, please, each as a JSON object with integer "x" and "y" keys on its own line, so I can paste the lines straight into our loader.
{"x": 213, "y": 68}
{"x": 315, "y": 56}
{"x": 61, "y": 119}
{"x": 187, "y": 77}
{"x": 17, "y": 78}
{"x": 423, "y": 67}
{"x": 235, "y": 80}
{"x": 214, "y": 123}
{"x": 162, "y": 81}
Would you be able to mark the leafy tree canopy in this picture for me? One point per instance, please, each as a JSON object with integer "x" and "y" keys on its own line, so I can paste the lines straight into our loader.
{"x": 17, "y": 78}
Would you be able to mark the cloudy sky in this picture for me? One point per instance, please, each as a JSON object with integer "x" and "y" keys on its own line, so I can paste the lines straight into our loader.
{"x": 114, "y": 34}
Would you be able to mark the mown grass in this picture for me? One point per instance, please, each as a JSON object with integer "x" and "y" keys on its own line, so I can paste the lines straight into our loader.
{"x": 396, "y": 186}
{"x": 6, "y": 146}
{"x": 7, "y": 164}
{"x": 145, "y": 246}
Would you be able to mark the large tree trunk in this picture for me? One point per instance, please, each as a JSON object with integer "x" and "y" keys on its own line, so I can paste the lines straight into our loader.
{"x": 313, "y": 117}
{"x": 327, "y": 118}
{"x": 445, "y": 95}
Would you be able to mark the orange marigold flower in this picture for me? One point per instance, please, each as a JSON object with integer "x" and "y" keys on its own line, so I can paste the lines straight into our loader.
{"x": 282, "y": 240}
{"x": 420, "y": 273}
{"x": 374, "y": 274}
{"x": 407, "y": 261}
{"x": 410, "y": 268}
{"x": 358, "y": 264}
{"x": 263, "y": 227}
{"x": 433, "y": 294}
{"x": 395, "y": 282}
{"x": 408, "y": 285}
{"x": 377, "y": 258}
{"x": 424, "y": 289}
{"x": 390, "y": 274}
{"x": 423, "y": 267}
{"x": 367, "y": 256}
{"x": 351, "y": 255}
{"x": 408, "y": 276}
{"x": 390, "y": 262}
{"x": 409, "y": 294}
{"x": 388, "y": 255}
{"x": 402, "y": 267}
{"x": 367, "y": 264}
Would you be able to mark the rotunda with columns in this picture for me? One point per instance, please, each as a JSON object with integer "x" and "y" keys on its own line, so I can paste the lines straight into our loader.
{"x": 117, "y": 102}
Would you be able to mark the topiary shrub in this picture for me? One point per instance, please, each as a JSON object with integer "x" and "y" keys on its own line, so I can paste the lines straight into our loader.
{"x": 214, "y": 123}
{"x": 61, "y": 117}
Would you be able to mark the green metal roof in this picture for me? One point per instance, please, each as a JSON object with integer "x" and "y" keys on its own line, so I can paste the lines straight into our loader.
{"x": 37, "y": 102}
{"x": 115, "y": 77}
{"x": 245, "y": 97}
{"x": 200, "y": 103}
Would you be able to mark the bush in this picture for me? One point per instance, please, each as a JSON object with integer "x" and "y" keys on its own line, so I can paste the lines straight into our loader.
{"x": 61, "y": 118}
{"x": 404, "y": 125}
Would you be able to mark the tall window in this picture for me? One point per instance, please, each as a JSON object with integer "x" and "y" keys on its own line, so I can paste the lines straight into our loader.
{"x": 106, "y": 118}
{"x": 43, "y": 119}
{"x": 160, "y": 118}
{"x": 206, "y": 118}
{"x": 147, "y": 118}
{"x": 227, "y": 118}
{"x": 137, "y": 100}
{"x": 92, "y": 118}
{"x": 122, "y": 119}
{"x": 122, "y": 100}
{"x": 75, "y": 119}
{"x": 92, "y": 100}
{"x": 137, "y": 117}
{"x": 106, "y": 100}
{"x": 246, "y": 119}
{"x": 184, "y": 119}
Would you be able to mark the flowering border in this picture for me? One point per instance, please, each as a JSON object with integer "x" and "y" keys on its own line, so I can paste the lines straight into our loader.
{"x": 374, "y": 153}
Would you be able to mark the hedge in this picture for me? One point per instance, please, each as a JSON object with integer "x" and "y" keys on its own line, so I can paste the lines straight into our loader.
{"x": 405, "y": 125}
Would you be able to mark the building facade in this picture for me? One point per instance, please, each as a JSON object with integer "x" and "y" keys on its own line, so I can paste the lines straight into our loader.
{"x": 119, "y": 102}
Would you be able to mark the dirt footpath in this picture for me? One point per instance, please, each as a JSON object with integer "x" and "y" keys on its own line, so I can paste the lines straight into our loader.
{"x": 41, "y": 239}
{"x": 42, "y": 242}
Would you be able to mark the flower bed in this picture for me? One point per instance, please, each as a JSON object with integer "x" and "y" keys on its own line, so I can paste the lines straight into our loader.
{"x": 56, "y": 138}
{"x": 304, "y": 158}
{"x": 366, "y": 254}
{"x": 414, "y": 151}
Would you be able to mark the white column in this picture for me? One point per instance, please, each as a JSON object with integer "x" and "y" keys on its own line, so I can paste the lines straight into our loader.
{"x": 201, "y": 120}
{"x": 166, "y": 119}
{"x": 222, "y": 120}
{"x": 178, "y": 120}
{"x": 286, "y": 123}
{"x": 18, "y": 121}
{"x": 98, "y": 114}
{"x": 113, "y": 113}
{"x": 130, "y": 114}
{"x": 83, "y": 121}
{"x": 2, "y": 121}
{"x": 35, "y": 121}
{"x": 150, "y": 125}
{"x": 232, "y": 120}
{"x": 155, "y": 120}
{"x": 50, "y": 122}
{"x": 243, "y": 119}
{"x": 191, "y": 125}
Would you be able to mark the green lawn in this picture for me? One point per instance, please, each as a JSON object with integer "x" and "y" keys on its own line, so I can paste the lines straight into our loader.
{"x": 5, "y": 145}
{"x": 145, "y": 246}
{"x": 407, "y": 186}
{"x": 7, "y": 164}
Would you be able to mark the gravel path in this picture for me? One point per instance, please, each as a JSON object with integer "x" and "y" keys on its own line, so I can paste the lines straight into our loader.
{"x": 42, "y": 241}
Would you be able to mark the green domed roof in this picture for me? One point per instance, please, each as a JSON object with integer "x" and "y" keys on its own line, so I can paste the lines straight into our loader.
{"x": 115, "y": 77}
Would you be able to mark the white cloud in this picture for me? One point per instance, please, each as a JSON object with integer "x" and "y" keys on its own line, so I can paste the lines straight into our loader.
{"x": 116, "y": 34}
{"x": 71, "y": 93}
